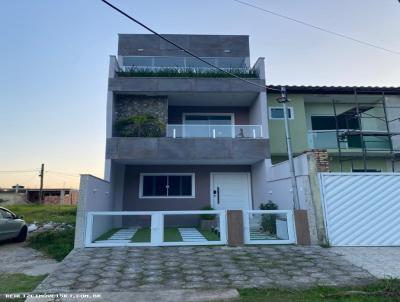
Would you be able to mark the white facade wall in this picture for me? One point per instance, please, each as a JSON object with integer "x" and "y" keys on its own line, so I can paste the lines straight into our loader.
{"x": 258, "y": 177}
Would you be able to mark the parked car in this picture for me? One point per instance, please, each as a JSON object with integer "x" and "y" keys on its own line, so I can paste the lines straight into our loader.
{"x": 12, "y": 226}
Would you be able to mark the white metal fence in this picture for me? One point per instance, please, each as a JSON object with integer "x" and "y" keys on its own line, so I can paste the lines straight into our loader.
{"x": 269, "y": 227}
{"x": 361, "y": 209}
{"x": 155, "y": 228}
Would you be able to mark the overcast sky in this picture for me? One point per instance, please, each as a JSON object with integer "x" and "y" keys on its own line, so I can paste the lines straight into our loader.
{"x": 54, "y": 65}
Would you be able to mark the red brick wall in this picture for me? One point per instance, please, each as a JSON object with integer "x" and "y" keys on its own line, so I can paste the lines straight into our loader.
{"x": 322, "y": 159}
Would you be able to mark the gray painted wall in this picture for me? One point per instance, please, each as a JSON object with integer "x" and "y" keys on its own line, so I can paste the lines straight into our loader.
{"x": 145, "y": 150}
{"x": 201, "y": 45}
{"x": 132, "y": 202}
{"x": 164, "y": 85}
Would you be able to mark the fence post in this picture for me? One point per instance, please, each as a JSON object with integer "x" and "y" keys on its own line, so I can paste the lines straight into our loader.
{"x": 157, "y": 229}
{"x": 89, "y": 229}
{"x": 302, "y": 227}
{"x": 223, "y": 227}
{"x": 235, "y": 227}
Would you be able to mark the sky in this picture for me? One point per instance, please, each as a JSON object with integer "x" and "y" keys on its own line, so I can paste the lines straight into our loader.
{"x": 55, "y": 55}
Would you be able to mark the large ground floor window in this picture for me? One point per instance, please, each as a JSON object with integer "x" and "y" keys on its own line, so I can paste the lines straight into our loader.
{"x": 161, "y": 185}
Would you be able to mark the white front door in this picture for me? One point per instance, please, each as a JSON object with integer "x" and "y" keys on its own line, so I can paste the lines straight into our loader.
{"x": 231, "y": 191}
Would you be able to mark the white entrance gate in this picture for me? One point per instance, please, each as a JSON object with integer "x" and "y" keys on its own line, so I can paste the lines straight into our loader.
{"x": 361, "y": 209}
{"x": 268, "y": 227}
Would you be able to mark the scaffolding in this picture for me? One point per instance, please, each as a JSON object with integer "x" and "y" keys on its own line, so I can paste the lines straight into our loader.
{"x": 355, "y": 130}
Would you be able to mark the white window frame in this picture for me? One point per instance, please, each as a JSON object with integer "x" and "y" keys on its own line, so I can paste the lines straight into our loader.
{"x": 280, "y": 118}
{"x": 231, "y": 114}
{"x": 169, "y": 196}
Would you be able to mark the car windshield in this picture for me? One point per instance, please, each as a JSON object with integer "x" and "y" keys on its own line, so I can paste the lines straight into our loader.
{"x": 6, "y": 214}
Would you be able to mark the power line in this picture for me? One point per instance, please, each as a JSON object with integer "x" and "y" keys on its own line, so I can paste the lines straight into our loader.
{"x": 180, "y": 47}
{"x": 319, "y": 28}
{"x": 28, "y": 180}
{"x": 19, "y": 171}
{"x": 63, "y": 173}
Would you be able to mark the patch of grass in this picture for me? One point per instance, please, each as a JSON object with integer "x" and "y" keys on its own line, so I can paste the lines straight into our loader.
{"x": 172, "y": 235}
{"x": 209, "y": 235}
{"x": 186, "y": 73}
{"x": 142, "y": 235}
{"x": 45, "y": 213}
{"x": 325, "y": 245}
{"x": 17, "y": 283}
{"x": 108, "y": 234}
{"x": 55, "y": 244}
{"x": 383, "y": 290}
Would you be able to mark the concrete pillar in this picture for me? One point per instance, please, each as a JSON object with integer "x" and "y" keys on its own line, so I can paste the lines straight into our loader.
{"x": 62, "y": 196}
{"x": 235, "y": 227}
{"x": 313, "y": 168}
{"x": 302, "y": 227}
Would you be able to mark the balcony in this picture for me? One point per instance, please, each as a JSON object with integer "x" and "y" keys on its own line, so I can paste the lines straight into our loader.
{"x": 183, "y": 78}
{"x": 187, "y": 72}
{"x": 215, "y": 131}
{"x": 349, "y": 140}
{"x": 194, "y": 144}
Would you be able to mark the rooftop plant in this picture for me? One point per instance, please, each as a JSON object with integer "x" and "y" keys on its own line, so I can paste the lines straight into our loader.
{"x": 186, "y": 72}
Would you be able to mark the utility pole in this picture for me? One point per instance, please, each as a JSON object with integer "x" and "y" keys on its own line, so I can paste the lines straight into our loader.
{"x": 283, "y": 99}
{"x": 41, "y": 175}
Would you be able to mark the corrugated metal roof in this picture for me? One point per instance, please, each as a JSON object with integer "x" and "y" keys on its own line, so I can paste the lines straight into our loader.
{"x": 338, "y": 89}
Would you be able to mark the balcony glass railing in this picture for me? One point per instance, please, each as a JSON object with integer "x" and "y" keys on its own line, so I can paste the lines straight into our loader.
{"x": 327, "y": 139}
{"x": 322, "y": 140}
{"x": 214, "y": 131}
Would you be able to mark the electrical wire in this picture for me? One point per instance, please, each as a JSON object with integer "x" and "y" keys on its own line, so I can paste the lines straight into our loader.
{"x": 331, "y": 32}
{"x": 182, "y": 48}
{"x": 19, "y": 171}
{"x": 63, "y": 173}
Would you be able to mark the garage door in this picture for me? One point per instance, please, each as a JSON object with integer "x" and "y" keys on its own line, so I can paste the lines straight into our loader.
{"x": 362, "y": 209}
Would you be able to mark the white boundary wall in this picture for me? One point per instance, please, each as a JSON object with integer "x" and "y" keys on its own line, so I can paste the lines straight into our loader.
{"x": 94, "y": 195}
{"x": 279, "y": 190}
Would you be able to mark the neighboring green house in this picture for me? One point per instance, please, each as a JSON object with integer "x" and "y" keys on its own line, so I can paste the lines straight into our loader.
{"x": 359, "y": 126}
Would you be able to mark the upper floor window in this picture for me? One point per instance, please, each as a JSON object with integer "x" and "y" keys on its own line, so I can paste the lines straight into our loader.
{"x": 276, "y": 113}
{"x": 329, "y": 122}
{"x": 208, "y": 119}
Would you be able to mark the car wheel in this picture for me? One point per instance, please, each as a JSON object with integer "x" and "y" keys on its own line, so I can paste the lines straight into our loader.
{"x": 22, "y": 235}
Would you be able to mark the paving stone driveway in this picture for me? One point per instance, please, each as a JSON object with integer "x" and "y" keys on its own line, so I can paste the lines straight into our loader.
{"x": 382, "y": 262}
{"x": 127, "y": 268}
